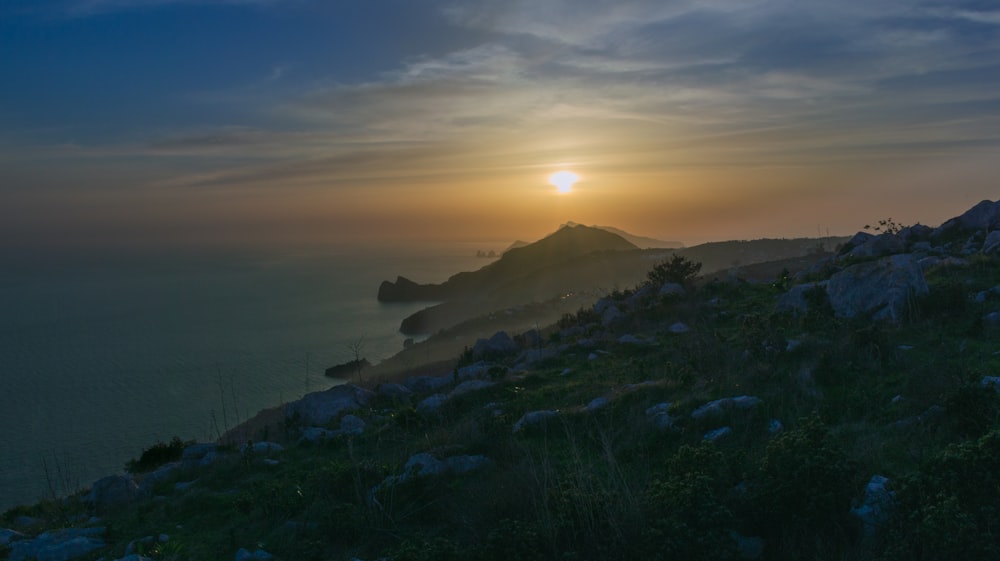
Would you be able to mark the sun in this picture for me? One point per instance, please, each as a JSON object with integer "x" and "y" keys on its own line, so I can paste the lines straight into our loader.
{"x": 564, "y": 180}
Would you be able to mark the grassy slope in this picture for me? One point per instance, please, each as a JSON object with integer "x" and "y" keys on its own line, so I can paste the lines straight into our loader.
{"x": 608, "y": 485}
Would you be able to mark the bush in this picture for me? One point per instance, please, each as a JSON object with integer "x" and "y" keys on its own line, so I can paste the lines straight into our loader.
{"x": 949, "y": 510}
{"x": 686, "y": 516}
{"x": 803, "y": 489}
{"x": 157, "y": 455}
{"x": 677, "y": 269}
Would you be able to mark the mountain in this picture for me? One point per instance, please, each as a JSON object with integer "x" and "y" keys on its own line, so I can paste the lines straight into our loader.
{"x": 557, "y": 249}
{"x": 642, "y": 242}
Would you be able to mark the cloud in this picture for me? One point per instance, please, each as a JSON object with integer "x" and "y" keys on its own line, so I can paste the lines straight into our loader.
{"x": 80, "y": 8}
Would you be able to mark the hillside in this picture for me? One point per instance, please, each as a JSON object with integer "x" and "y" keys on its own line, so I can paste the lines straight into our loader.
{"x": 846, "y": 410}
{"x": 550, "y": 254}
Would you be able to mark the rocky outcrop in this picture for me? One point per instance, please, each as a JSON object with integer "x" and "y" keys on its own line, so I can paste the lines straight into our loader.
{"x": 878, "y": 246}
{"x": 319, "y": 408}
{"x": 883, "y": 288}
{"x": 499, "y": 344}
{"x": 58, "y": 545}
{"x": 795, "y": 301}
{"x": 533, "y": 418}
{"x": 111, "y": 493}
{"x": 876, "y": 507}
{"x": 720, "y": 406}
{"x": 992, "y": 243}
{"x": 983, "y": 216}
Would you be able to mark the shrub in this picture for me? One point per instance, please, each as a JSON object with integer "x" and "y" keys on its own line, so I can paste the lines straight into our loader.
{"x": 676, "y": 269}
{"x": 686, "y": 516}
{"x": 949, "y": 509}
{"x": 803, "y": 489}
{"x": 157, "y": 455}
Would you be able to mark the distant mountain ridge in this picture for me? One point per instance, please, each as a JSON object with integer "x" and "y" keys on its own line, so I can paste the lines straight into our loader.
{"x": 642, "y": 242}
{"x": 564, "y": 245}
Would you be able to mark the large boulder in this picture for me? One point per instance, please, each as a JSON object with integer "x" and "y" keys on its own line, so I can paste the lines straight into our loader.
{"x": 983, "y": 216}
{"x": 876, "y": 508}
{"x": 795, "y": 301}
{"x": 992, "y": 243}
{"x": 111, "y": 493}
{"x": 878, "y": 246}
{"x": 720, "y": 406}
{"x": 499, "y": 344}
{"x": 58, "y": 545}
{"x": 882, "y": 287}
{"x": 319, "y": 408}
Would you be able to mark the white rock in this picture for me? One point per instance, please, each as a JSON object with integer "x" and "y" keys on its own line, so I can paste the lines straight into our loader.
{"x": 679, "y": 327}
{"x": 533, "y": 418}
{"x": 718, "y": 433}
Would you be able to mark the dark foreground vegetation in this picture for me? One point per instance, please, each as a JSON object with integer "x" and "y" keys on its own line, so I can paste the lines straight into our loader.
{"x": 701, "y": 419}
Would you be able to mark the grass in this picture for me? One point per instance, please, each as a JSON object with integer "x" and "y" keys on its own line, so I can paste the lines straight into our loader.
{"x": 609, "y": 485}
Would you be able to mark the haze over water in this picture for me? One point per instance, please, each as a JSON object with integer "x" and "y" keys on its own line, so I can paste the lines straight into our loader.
{"x": 104, "y": 355}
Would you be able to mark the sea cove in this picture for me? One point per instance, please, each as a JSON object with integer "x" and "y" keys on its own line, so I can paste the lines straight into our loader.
{"x": 103, "y": 355}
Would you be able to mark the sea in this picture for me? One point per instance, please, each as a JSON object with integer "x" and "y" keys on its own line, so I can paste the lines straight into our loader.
{"x": 103, "y": 354}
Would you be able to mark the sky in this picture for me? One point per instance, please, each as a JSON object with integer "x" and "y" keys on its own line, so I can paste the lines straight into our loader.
{"x": 143, "y": 123}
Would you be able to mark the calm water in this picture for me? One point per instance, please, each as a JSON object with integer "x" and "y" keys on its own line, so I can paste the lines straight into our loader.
{"x": 101, "y": 357}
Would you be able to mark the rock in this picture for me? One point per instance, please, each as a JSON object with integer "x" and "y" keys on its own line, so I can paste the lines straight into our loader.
{"x": 7, "y": 536}
{"x": 28, "y": 522}
{"x": 132, "y": 545}
{"x": 990, "y": 382}
{"x": 672, "y": 289}
{"x": 533, "y": 418}
{"x": 427, "y": 384}
{"x": 855, "y": 241}
{"x": 774, "y": 426}
{"x": 256, "y": 555}
{"x": 428, "y": 465}
{"x": 162, "y": 473}
{"x": 393, "y": 391}
{"x": 983, "y": 216}
{"x": 714, "y": 435}
{"x": 196, "y": 452}
{"x": 316, "y": 434}
{"x": 432, "y": 404}
{"x": 270, "y": 462}
{"x": 992, "y": 318}
{"x": 679, "y": 328}
{"x": 611, "y": 315}
{"x": 263, "y": 448}
{"x": 111, "y": 493}
{"x": 499, "y": 344}
{"x": 884, "y": 287}
{"x": 135, "y": 557}
{"x": 992, "y": 243}
{"x": 918, "y": 233}
{"x": 319, "y": 408}
{"x": 659, "y": 416}
{"x": 184, "y": 485}
{"x": 876, "y": 506}
{"x": 597, "y": 403}
{"x": 477, "y": 371}
{"x": 592, "y": 356}
{"x": 470, "y": 386}
{"x": 531, "y": 357}
{"x": 719, "y": 406}
{"x": 351, "y": 424}
{"x": 630, "y": 339}
{"x": 603, "y": 304}
{"x": 878, "y": 246}
{"x": 58, "y": 545}
{"x": 794, "y": 301}
{"x": 748, "y": 547}
{"x": 532, "y": 338}
{"x": 637, "y": 298}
